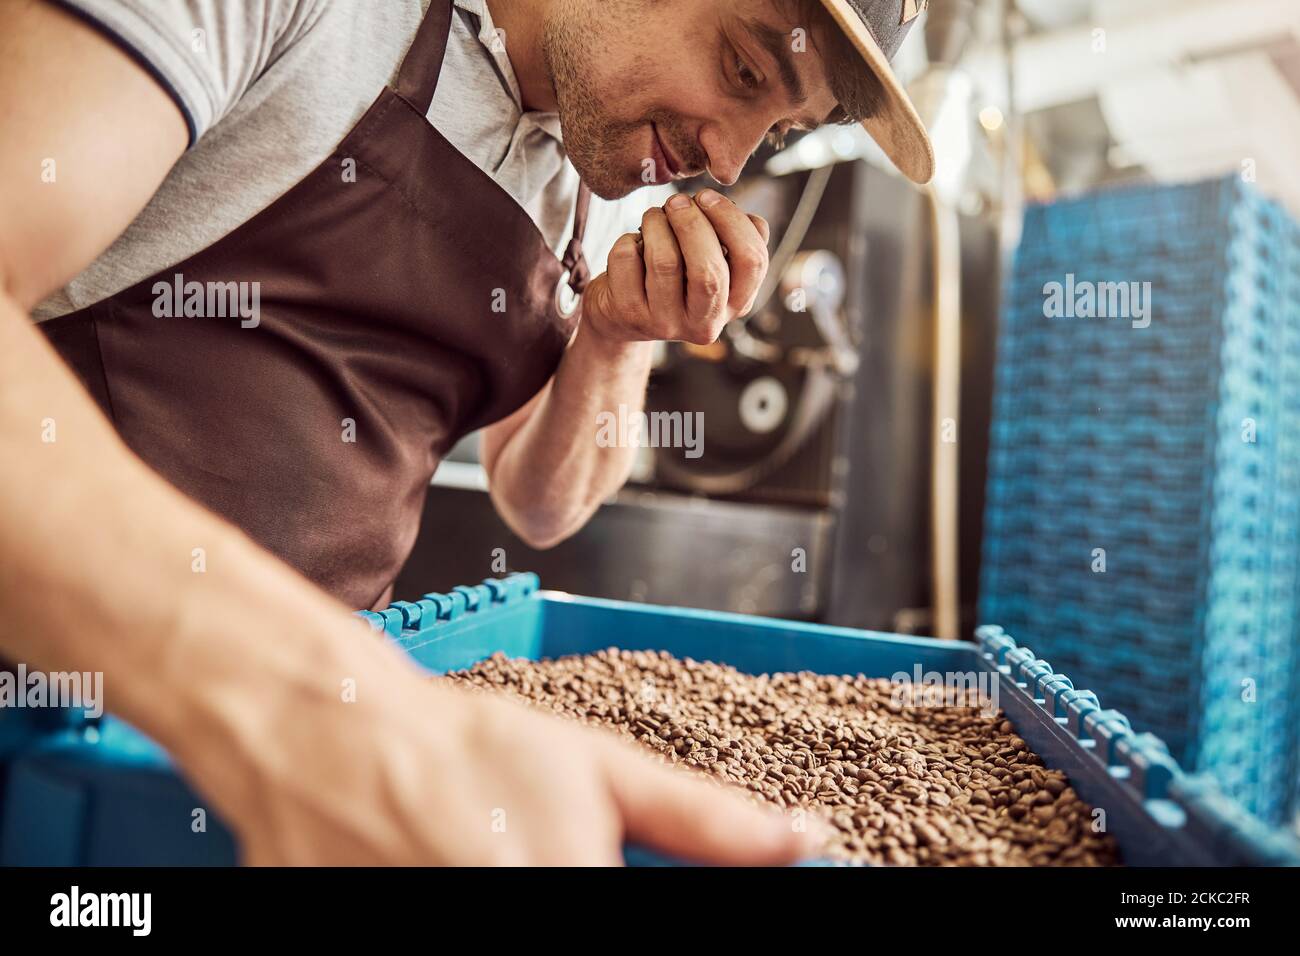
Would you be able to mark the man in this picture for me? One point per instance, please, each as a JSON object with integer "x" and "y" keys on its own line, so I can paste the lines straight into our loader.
{"x": 282, "y": 254}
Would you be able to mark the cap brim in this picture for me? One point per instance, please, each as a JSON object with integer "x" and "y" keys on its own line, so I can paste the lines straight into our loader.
{"x": 897, "y": 127}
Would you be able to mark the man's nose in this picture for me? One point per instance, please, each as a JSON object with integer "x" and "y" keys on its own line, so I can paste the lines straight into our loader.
{"x": 728, "y": 147}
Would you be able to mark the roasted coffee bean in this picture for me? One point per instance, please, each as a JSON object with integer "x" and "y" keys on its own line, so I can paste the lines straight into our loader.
{"x": 902, "y": 780}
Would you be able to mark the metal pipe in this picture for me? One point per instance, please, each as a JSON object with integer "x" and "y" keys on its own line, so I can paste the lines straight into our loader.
{"x": 944, "y": 474}
{"x": 949, "y": 29}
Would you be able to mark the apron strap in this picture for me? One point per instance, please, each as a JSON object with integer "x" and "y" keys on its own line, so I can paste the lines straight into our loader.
{"x": 574, "y": 262}
{"x": 417, "y": 77}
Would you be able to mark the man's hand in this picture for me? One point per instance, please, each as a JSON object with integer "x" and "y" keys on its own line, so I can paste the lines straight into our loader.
{"x": 416, "y": 773}
{"x": 697, "y": 264}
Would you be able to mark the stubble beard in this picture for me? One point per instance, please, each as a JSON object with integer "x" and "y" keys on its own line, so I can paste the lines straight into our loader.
{"x": 596, "y": 143}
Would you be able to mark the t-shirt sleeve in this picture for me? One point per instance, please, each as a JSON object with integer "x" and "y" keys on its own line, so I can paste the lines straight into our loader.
{"x": 204, "y": 53}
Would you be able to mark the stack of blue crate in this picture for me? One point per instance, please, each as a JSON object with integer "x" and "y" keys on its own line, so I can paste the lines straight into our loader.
{"x": 1142, "y": 527}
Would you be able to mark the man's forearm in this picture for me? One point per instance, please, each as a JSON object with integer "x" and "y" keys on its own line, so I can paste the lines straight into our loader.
{"x": 551, "y": 475}
{"x": 201, "y": 635}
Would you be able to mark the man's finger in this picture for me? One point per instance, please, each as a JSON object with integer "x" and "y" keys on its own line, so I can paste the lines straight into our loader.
{"x": 627, "y": 284}
{"x": 664, "y": 270}
{"x": 746, "y": 243}
{"x": 708, "y": 278}
{"x": 667, "y": 810}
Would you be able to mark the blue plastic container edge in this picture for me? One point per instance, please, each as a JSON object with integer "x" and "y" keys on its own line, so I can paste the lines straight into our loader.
{"x": 1152, "y": 774}
{"x": 436, "y": 608}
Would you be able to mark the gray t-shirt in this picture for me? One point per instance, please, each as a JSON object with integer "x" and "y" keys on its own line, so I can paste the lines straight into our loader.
{"x": 270, "y": 87}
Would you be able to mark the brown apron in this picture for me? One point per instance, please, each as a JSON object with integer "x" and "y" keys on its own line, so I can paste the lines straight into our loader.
{"x": 398, "y": 312}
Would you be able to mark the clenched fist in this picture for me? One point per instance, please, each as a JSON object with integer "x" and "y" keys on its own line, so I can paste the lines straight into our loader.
{"x": 697, "y": 264}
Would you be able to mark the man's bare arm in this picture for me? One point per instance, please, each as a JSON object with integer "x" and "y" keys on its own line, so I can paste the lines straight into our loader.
{"x": 96, "y": 549}
{"x": 547, "y": 475}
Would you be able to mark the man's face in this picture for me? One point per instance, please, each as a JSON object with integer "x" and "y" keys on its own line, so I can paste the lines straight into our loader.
{"x": 655, "y": 90}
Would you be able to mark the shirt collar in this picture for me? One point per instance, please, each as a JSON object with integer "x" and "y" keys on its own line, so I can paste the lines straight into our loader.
{"x": 496, "y": 49}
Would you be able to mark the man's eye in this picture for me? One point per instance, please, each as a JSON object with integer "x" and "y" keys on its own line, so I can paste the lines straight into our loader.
{"x": 746, "y": 76}
{"x": 776, "y": 137}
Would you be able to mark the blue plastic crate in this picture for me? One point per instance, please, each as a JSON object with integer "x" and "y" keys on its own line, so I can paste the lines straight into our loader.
{"x": 101, "y": 793}
{"x": 1131, "y": 440}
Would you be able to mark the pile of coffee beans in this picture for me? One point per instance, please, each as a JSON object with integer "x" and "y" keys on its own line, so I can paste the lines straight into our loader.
{"x": 901, "y": 779}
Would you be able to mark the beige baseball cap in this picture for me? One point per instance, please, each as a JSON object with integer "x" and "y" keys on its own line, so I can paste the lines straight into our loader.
{"x": 878, "y": 28}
